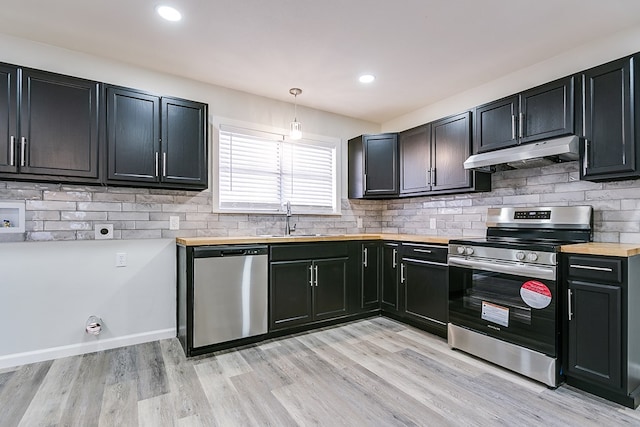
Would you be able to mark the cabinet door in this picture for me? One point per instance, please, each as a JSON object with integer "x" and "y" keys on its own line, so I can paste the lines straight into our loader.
{"x": 426, "y": 292}
{"x": 415, "y": 160}
{"x": 184, "y": 144}
{"x": 133, "y": 135}
{"x": 381, "y": 165}
{"x": 8, "y": 118}
{"x": 609, "y": 122}
{"x": 495, "y": 124}
{"x": 330, "y": 290}
{"x": 290, "y": 294}
{"x": 58, "y": 125}
{"x": 389, "y": 277}
{"x": 369, "y": 287}
{"x": 595, "y": 333}
{"x": 451, "y": 146}
{"x": 547, "y": 111}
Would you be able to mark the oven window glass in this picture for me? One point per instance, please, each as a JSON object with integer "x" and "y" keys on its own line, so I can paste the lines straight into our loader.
{"x": 493, "y": 291}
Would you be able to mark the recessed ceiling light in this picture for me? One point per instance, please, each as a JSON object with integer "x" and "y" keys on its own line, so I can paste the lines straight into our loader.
{"x": 169, "y": 13}
{"x": 366, "y": 78}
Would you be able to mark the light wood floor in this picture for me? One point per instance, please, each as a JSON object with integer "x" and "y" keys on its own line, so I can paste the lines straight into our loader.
{"x": 374, "y": 372}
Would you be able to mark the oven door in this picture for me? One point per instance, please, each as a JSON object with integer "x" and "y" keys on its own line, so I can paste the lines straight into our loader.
{"x": 514, "y": 302}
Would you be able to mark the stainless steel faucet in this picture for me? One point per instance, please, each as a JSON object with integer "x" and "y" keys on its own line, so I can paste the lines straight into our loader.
{"x": 287, "y": 226}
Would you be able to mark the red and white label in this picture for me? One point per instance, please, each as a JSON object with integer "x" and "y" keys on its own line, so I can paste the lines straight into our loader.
{"x": 535, "y": 294}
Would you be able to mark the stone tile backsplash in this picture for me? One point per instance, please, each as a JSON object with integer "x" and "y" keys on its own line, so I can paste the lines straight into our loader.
{"x": 70, "y": 212}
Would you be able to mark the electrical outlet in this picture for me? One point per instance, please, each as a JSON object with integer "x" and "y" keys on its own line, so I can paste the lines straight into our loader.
{"x": 174, "y": 223}
{"x": 359, "y": 222}
{"x": 121, "y": 259}
{"x": 432, "y": 223}
{"x": 103, "y": 231}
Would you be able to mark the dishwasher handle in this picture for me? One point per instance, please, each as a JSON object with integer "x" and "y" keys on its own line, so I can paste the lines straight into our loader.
{"x": 229, "y": 251}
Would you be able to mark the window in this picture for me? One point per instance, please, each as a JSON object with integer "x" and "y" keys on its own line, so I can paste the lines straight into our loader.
{"x": 261, "y": 171}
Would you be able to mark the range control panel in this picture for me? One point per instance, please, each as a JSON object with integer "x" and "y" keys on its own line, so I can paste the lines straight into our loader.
{"x": 532, "y": 215}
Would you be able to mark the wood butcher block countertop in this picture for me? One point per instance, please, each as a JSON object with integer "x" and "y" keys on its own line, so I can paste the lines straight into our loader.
{"x": 607, "y": 249}
{"x": 205, "y": 241}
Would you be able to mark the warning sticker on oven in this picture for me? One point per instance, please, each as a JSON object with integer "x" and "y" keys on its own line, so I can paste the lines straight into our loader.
{"x": 495, "y": 313}
{"x": 535, "y": 294}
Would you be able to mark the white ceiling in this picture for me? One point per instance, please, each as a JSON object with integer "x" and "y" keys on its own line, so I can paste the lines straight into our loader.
{"x": 420, "y": 50}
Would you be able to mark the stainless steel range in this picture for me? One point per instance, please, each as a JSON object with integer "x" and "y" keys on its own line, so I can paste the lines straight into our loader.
{"x": 504, "y": 296}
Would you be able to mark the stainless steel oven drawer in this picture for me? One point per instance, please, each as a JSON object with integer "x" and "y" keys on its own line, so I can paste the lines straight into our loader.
{"x": 595, "y": 268}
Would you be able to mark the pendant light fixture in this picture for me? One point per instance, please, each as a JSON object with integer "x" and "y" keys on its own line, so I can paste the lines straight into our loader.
{"x": 295, "y": 130}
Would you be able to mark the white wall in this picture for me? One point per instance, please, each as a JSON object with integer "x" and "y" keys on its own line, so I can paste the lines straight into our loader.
{"x": 584, "y": 57}
{"x": 48, "y": 290}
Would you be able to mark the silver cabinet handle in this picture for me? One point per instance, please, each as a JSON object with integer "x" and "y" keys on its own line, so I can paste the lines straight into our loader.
{"x": 365, "y": 253}
{"x": 585, "y": 161}
{"x": 156, "y": 163}
{"x": 433, "y": 176}
{"x": 12, "y": 149}
{"x": 311, "y": 275}
{"x": 427, "y": 174}
{"x": 316, "y": 271}
{"x": 395, "y": 258}
{"x": 402, "y": 272}
{"x": 521, "y": 125}
{"x": 513, "y": 126}
{"x": 569, "y": 304}
{"x": 164, "y": 164}
{"x": 426, "y": 251}
{"x": 589, "y": 267}
{"x": 23, "y": 147}
{"x": 365, "y": 182}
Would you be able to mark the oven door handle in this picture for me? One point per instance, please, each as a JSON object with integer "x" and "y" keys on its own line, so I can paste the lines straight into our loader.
{"x": 533, "y": 271}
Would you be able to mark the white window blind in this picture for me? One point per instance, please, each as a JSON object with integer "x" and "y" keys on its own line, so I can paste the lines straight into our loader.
{"x": 260, "y": 171}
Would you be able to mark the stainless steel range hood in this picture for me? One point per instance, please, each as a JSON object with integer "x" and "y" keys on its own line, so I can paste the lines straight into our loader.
{"x": 527, "y": 155}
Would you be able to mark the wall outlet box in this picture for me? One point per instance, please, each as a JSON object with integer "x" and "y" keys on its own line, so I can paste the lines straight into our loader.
{"x": 121, "y": 259}
{"x": 359, "y": 222}
{"x": 174, "y": 223}
{"x": 103, "y": 231}
{"x": 432, "y": 223}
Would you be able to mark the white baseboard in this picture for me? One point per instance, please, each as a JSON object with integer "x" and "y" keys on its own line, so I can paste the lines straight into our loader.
{"x": 12, "y": 360}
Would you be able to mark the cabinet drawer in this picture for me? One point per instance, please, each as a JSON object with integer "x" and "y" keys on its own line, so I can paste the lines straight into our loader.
{"x": 595, "y": 269}
{"x": 295, "y": 251}
{"x": 425, "y": 252}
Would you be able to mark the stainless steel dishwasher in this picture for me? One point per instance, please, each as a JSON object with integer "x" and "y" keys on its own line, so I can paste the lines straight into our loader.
{"x": 229, "y": 293}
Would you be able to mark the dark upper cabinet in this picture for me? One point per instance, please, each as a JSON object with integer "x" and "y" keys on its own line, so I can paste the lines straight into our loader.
{"x": 8, "y": 118}
{"x": 611, "y": 121}
{"x": 373, "y": 166}
{"x": 58, "y": 135}
{"x": 184, "y": 144}
{"x": 544, "y": 112}
{"x": 133, "y": 135}
{"x": 432, "y": 157}
{"x": 154, "y": 141}
{"x": 415, "y": 160}
{"x": 495, "y": 124}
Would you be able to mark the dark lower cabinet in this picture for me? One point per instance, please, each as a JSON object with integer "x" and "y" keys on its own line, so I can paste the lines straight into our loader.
{"x": 155, "y": 141}
{"x": 308, "y": 289}
{"x": 601, "y": 339}
{"x": 290, "y": 294}
{"x": 369, "y": 296}
{"x": 390, "y": 277}
{"x": 424, "y": 286}
{"x": 611, "y": 121}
